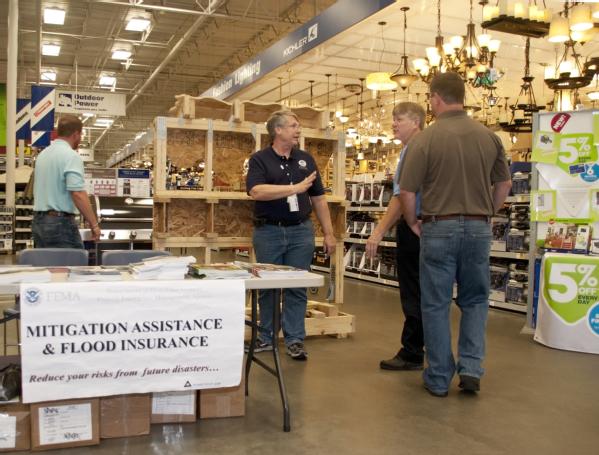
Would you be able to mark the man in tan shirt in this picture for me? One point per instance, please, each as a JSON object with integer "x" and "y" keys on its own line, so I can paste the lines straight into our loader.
{"x": 460, "y": 169}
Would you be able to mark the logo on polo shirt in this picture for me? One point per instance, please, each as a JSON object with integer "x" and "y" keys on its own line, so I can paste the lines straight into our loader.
{"x": 302, "y": 164}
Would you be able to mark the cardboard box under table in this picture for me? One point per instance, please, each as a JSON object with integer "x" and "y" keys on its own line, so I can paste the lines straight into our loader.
{"x": 223, "y": 402}
{"x": 66, "y": 423}
{"x": 15, "y": 430}
{"x": 125, "y": 415}
{"x": 174, "y": 407}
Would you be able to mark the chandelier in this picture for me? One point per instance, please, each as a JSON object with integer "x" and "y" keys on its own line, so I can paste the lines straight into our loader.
{"x": 429, "y": 67}
{"x": 568, "y": 73}
{"x": 526, "y": 104}
{"x": 402, "y": 76}
{"x": 472, "y": 56}
{"x": 380, "y": 80}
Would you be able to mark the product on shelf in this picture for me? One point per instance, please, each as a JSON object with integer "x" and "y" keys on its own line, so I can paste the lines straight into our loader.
{"x": 569, "y": 238}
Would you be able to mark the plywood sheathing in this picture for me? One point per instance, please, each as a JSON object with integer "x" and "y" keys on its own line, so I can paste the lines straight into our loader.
{"x": 234, "y": 218}
{"x": 230, "y": 152}
{"x": 187, "y": 218}
{"x": 185, "y": 147}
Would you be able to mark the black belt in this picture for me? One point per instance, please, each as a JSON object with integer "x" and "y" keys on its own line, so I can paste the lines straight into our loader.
{"x": 429, "y": 218}
{"x": 262, "y": 221}
{"x": 55, "y": 213}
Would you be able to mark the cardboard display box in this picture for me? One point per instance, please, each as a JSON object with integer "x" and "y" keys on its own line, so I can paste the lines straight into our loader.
{"x": 174, "y": 407}
{"x": 125, "y": 415}
{"x": 15, "y": 432}
{"x": 223, "y": 402}
{"x": 66, "y": 423}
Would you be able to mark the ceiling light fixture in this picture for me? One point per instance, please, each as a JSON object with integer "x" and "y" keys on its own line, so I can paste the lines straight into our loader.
{"x": 48, "y": 76}
{"x": 107, "y": 81}
{"x": 138, "y": 24}
{"x": 54, "y": 16}
{"x": 580, "y": 18}
{"x": 402, "y": 76}
{"x": 568, "y": 73}
{"x": 517, "y": 18}
{"x": 51, "y": 49}
{"x": 121, "y": 54}
{"x": 429, "y": 67}
{"x": 380, "y": 80}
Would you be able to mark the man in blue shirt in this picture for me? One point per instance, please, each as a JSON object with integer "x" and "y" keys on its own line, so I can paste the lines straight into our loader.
{"x": 286, "y": 185}
{"x": 408, "y": 120}
{"x": 59, "y": 191}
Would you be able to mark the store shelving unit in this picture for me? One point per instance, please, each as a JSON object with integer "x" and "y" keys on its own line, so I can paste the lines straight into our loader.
{"x": 219, "y": 214}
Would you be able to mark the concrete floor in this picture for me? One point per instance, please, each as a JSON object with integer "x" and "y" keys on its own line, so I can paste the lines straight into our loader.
{"x": 534, "y": 400}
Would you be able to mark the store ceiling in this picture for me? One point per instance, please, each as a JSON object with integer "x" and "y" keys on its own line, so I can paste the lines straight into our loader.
{"x": 221, "y": 40}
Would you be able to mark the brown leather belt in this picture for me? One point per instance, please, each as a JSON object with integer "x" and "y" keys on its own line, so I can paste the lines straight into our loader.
{"x": 55, "y": 213}
{"x": 429, "y": 218}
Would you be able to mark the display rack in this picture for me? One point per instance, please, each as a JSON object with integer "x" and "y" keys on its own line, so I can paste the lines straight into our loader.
{"x": 217, "y": 213}
{"x": 6, "y": 228}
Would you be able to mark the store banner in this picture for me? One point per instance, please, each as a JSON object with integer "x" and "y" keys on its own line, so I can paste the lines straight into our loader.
{"x": 42, "y": 108}
{"x": 41, "y": 139}
{"x": 334, "y": 20}
{"x": 23, "y": 119}
{"x": 134, "y": 337}
{"x": 133, "y": 182}
{"x": 99, "y": 103}
{"x": 568, "y": 308}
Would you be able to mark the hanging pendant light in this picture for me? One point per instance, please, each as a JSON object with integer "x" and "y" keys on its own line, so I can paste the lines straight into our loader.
{"x": 402, "y": 76}
{"x": 380, "y": 80}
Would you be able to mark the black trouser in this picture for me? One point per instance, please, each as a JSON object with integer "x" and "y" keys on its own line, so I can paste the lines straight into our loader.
{"x": 408, "y": 265}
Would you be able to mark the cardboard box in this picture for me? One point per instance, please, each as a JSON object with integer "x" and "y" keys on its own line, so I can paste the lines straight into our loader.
{"x": 125, "y": 415}
{"x": 174, "y": 407}
{"x": 66, "y": 423}
{"x": 15, "y": 427}
{"x": 224, "y": 402}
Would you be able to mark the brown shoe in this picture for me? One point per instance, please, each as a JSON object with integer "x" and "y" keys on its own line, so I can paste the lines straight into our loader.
{"x": 399, "y": 364}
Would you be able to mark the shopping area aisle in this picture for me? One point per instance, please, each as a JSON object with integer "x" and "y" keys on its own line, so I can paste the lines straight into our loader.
{"x": 534, "y": 400}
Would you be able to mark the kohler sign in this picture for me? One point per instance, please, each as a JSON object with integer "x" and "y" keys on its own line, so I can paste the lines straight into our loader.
{"x": 312, "y": 35}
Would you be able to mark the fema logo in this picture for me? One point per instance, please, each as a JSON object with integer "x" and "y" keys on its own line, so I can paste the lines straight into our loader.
{"x": 594, "y": 319}
{"x": 32, "y": 296}
{"x": 313, "y": 32}
{"x": 302, "y": 164}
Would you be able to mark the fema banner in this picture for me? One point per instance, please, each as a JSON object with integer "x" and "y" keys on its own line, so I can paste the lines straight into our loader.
{"x": 78, "y": 102}
{"x": 23, "y": 122}
{"x": 42, "y": 108}
{"x": 3, "y": 114}
{"x": 568, "y": 308}
{"x": 89, "y": 339}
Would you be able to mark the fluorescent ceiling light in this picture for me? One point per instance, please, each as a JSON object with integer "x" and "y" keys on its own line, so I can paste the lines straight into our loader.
{"x": 103, "y": 121}
{"x": 54, "y": 16}
{"x": 138, "y": 24}
{"x": 107, "y": 81}
{"x": 51, "y": 49}
{"x": 121, "y": 54}
{"x": 48, "y": 76}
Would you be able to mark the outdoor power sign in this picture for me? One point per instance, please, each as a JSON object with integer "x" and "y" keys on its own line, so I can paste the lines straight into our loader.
{"x": 568, "y": 313}
{"x": 78, "y": 102}
{"x": 89, "y": 339}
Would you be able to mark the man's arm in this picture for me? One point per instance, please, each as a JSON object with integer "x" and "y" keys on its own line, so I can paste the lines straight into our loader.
{"x": 321, "y": 208}
{"x": 408, "y": 207}
{"x": 500, "y": 192}
{"x": 392, "y": 215}
{"x": 81, "y": 201}
{"x": 266, "y": 192}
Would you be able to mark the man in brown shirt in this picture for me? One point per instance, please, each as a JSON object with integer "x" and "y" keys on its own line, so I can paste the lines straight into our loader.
{"x": 460, "y": 169}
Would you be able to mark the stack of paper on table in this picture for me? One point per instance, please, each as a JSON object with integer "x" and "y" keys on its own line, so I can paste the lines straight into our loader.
{"x": 95, "y": 273}
{"x": 14, "y": 275}
{"x": 273, "y": 270}
{"x": 219, "y": 271}
{"x": 161, "y": 268}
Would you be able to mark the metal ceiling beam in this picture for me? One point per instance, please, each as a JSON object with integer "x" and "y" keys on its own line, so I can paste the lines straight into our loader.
{"x": 82, "y": 37}
{"x": 209, "y": 12}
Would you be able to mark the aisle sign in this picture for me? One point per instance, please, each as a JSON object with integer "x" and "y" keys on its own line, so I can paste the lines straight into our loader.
{"x": 568, "y": 309}
{"x": 136, "y": 337}
{"x": 100, "y": 182}
{"x": 99, "y": 103}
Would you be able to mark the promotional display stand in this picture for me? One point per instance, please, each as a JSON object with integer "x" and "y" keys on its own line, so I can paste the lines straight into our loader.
{"x": 565, "y": 207}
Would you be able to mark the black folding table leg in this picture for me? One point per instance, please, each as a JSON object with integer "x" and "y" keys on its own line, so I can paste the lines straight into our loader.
{"x": 254, "y": 325}
{"x": 276, "y": 325}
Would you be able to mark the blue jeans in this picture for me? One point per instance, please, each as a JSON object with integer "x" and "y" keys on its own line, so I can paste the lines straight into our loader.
{"x": 454, "y": 250}
{"x": 290, "y": 245}
{"x": 55, "y": 232}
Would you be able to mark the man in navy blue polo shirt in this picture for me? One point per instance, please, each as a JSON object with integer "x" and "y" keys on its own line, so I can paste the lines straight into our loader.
{"x": 286, "y": 185}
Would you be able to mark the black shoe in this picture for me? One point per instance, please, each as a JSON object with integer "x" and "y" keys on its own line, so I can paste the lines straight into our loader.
{"x": 399, "y": 364}
{"x": 260, "y": 346}
{"x": 469, "y": 384}
{"x": 297, "y": 352}
{"x": 435, "y": 393}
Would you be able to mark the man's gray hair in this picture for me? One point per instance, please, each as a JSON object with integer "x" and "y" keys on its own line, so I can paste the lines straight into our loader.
{"x": 413, "y": 111}
{"x": 278, "y": 120}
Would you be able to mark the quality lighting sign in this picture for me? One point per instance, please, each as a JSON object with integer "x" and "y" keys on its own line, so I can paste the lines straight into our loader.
{"x": 334, "y": 20}
{"x": 89, "y": 339}
{"x": 77, "y": 102}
